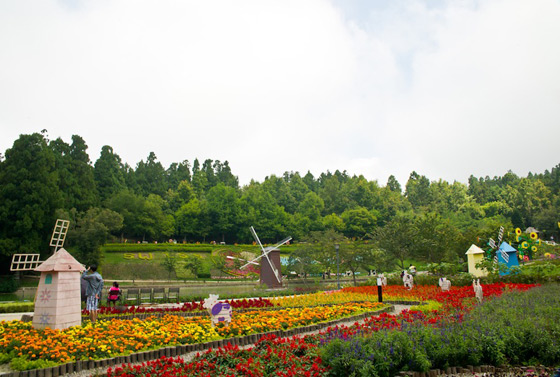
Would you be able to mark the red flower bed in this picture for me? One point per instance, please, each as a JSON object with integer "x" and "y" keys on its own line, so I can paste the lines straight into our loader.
{"x": 271, "y": 355}
{"x": 193, "y": 306}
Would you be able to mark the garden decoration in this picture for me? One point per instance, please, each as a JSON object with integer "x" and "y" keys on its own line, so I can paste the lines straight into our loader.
{"x": 219, "y": 311}
{"x": 478, "y": 290}
{"x": 475, "y": 255}
{"x": 57, "y": 304}
{"x": 383, "y": 279}
{"x": 271, "y": 270}
{"x": 502, "y": 254}
{"x": 408, "y": 280}
{"x": 508, "y": 256}
{"x": 527, "y": 243}
{"x": 444, "y": 284}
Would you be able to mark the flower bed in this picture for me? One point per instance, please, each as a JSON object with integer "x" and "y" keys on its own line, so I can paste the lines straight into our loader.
{"x": 270, "y": 356}
{"x": 386, "y": 344}
{"x": 120, "y": 337}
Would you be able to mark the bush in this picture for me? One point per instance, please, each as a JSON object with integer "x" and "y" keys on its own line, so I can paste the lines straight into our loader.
{"x": 8, "y": 284}
{"x": 18, "y": 307}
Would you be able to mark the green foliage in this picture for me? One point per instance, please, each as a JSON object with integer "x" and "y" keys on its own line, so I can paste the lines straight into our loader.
{"x": 22, "y": 363}
{"x": 91, "y": 231}
{"x": 169, "y": 263}
{"x": 382, "y": 354}
{"x": 432, "y": 221}
{"x": 516, "y": 328}
{"x": 16, "y": 307}
{"x": 155, "y": 247}
{"x": 193, "y": 264}
{"x": 8, "y": 284}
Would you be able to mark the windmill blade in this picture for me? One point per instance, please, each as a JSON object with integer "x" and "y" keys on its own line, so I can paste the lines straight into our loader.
{"x": 252, "y": 261}
{"x": 256, "y": 237}
{"x": 244, "y": 260}
{"x": 501, "y": 234}
{"x": 287, "y": 239}
{"x": 59, "y": 234}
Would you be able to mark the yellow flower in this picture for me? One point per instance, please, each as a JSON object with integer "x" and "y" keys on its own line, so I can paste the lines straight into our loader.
{"x": 534, "y": 235}
{"x": 518, "y": 231}
{"x": 525, "y": 244}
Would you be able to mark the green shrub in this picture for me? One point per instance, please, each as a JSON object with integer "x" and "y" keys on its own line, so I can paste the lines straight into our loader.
{"x": 16, "y": 307}
{"x": 22, "y": 363}
{"x": 8, "y": 284}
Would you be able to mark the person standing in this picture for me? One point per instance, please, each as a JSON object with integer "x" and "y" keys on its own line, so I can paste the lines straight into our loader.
{"x": 93, "y": 290}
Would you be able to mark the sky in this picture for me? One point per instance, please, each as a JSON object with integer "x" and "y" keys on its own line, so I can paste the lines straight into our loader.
{"x": 448, "y": 89}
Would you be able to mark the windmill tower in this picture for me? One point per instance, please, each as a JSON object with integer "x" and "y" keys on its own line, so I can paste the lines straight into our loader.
{"x": 271, "y": 269}
{"x": 57, "y": 303}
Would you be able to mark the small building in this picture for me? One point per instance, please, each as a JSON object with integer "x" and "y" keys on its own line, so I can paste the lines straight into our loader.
{"x": 475, "y": 255}
{"x": 509, "y": 258}
{"x": 58, "y": 304}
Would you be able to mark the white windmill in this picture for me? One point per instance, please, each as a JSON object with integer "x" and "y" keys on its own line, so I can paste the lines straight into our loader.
{"x": 271, "y": 273}
{"x": 57, "y": 303}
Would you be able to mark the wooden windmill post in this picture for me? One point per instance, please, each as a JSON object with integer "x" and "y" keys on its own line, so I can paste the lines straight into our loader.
{"x": 271, "y": 268}
{"x": 57, "y": 303}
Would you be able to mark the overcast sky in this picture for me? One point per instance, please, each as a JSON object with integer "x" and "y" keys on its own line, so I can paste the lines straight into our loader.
{"x": 445, "y": 88}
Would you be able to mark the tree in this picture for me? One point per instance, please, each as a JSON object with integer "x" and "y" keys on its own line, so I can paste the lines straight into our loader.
{"x": 170, "y": 264}
{"x": 224, "y": 175}
{"x": 75, "y": 173}
{"x": 91, "y": 232}
{"x": 150, "y": 177}
{"x": 310, "y": 209}
{"x": 223, "y": 204}
{"x": 193, "y": 263}
{"x": 199, "y": 180}
{"x": 323, "y": 246}
{"x": 259, "y": 209}
{"x": 437, "y": 239}
{"x": 192, "y": 220}
{"x": 355, "y": 255}
{"x": 358, "y": 222}
{"x": 108, "y": 173}
{"x": 176, "y": 173}
{"x": 397, "y": 238}
{"x": 418, "y": 191}
{"x": 393, "y": 184}
{"x": 29, "y": 196}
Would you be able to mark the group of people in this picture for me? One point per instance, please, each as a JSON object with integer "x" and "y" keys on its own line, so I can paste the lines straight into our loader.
{"x": 92, "y": 287}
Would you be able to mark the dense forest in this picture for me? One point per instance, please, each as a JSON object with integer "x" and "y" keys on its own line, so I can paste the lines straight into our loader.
{"x": 42, "y": 180}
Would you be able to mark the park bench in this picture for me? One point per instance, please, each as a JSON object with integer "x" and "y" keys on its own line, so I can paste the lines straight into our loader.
{"x": 133, "y": 296}
{"x": 146, "y": 295}
{"x": 158, "y": 294}
{"x": 173, "y": 294}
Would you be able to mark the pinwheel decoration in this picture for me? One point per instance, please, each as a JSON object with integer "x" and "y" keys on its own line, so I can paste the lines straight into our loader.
{"x": 527, "y": 244}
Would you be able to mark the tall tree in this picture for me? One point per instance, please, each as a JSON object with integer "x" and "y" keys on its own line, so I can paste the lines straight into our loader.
{"x": 418, "y": 191}
{"x": 223, "y": 204}
{"x": 358, "y": 222}
{"x": 91, "y": 232}
{"x": 108, "y": 173}
{"x": 224, "y": 175}
{"x": 393, "y": 184}
{"x": 75, "y": 173}
{"x": 150, "y": 177}
{"x": 177, "y": 173}
{"x": 29, "y": 196}
{"x": 397, "y": 238}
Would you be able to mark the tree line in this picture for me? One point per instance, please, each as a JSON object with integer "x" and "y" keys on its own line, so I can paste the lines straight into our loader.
{"x": 42, "y": 180}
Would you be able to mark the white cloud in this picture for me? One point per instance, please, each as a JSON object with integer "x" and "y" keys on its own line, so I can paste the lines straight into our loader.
{"x": 274, "y": 86}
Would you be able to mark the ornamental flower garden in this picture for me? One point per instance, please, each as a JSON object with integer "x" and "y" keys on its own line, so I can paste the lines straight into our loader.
{"x": 516, "y": 324}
